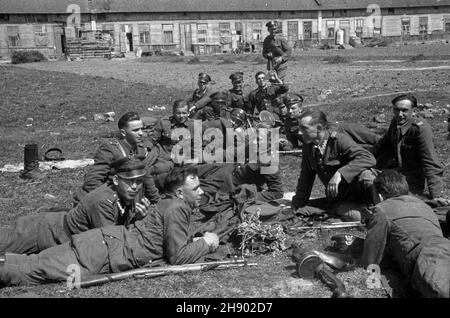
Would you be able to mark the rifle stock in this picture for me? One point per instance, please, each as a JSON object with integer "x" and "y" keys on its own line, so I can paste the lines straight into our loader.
{"x": 146, "y": 272}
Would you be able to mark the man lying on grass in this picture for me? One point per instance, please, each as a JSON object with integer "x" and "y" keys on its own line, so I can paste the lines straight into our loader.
{"x": 120, "y": 203}
{"x": 406, "y": 230}
{"x": 164, "y": 234}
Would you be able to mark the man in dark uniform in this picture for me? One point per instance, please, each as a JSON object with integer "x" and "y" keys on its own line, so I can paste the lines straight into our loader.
{"x": 226, "y": 177}
{"x": 200, "y": 97}
{"x": 263, "y": 97}
{"x": 237, "y": 98}
{"x": 360, "y": 134}
{"x": 276, "y": 50}
{"x": 119, "y": 203}
{"x": 406, "y": 230}
{"x": 219, "y": 106}
{"x": 340, "y": 163}
{"x": 130, "y": 143}
{"x": 408, "y": 147}
{"x": 294, "y": 105}
{"x": 165, "y": 234}
{"x": 168, "y": 132}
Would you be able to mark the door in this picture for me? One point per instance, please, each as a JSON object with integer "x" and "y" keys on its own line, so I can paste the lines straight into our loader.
{"x": 307, "y": 30}
{"x": 406, "y": 28}
{"x": 185, "y": 37}
{"x": 292, "y": 32}
{"x": 129, "y": 42}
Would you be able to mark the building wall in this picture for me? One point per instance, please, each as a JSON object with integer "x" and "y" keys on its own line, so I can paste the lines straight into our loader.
{"x": 390, "y": 26}
{"x": 28, "y": 39}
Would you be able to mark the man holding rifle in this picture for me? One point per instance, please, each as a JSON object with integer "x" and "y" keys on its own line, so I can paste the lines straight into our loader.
{"x": 166, "y": 234}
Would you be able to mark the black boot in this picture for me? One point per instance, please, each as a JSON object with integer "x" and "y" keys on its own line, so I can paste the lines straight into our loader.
{"x": 31, "y": 163}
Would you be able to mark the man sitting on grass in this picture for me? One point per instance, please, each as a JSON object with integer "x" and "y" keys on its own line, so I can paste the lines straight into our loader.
{"x": 130, "y": 143}
{"x": 342, "y": 165}
{"x": 165, "y": 234}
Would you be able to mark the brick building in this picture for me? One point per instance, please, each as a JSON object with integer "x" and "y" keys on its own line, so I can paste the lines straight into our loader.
{"x": 209, "y": 26}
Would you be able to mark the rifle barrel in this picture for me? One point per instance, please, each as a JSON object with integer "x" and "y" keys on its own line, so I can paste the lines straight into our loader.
{"x": 163, "y": 270}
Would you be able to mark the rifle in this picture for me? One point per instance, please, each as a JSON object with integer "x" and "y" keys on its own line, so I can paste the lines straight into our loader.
{"x": 146, "y": 272}
{"x": 337, "y": 225}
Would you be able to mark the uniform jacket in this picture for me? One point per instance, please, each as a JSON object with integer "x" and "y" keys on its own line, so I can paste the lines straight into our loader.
{"x": 264, "y": 98}
{"x": 99, "y": 208}
{"x": 410, "y": 149}
{"x": 341, "y": 154}
{"x": 110, "y": 151}
{"x": 399, "y": 226}
{"x": 163, "y": 132}
{"x": 238, "y": 100}
{"x": 200, "y": 99}
{"x": 226, "y": 177}
{"x": 278, "y": 46}
{"x": 170, "y": 230}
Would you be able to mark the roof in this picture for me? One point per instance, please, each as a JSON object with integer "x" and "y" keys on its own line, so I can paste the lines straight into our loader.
{"x": 60, "y": 6}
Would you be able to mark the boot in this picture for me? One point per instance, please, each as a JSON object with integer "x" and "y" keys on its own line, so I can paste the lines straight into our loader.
{"x": 31, "y": 163}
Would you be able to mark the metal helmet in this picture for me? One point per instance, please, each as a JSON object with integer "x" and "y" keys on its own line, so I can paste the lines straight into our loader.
{"x": 238, "y": 117}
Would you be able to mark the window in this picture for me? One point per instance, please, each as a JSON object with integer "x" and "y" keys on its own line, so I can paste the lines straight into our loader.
{"x": 13, "y": 35}
{"x": 40, "y": 35}
{"x": 391, "y": 11}
{"x": 406, "y": 26}
{"x": 4, "y": 17}
{"x": 202, "y": 30}
{"x": 330, "y": 28}
{"x": 359, "y": 23}
{"x": 238, "y": 28}
{"x": 224, "y": 29}
{"x": 447, "y": 23}
{"x": 144, "y": 33}
{"x": 167, "y": 33}
{"x": 257, "y": 31}
{"x": 423, "y": 25}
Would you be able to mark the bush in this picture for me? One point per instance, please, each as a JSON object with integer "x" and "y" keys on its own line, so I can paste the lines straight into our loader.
{"x": 18, "y": 57}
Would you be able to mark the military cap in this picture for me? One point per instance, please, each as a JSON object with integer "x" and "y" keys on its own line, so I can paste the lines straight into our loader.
{"x": 238, "y": 76}
{"x": 271, "y": 24}
{"x": 204, "y": 77}
{"x": 292, "y": 98}
{"x": 219, "y": 97}
{"x": 129, "y": 167}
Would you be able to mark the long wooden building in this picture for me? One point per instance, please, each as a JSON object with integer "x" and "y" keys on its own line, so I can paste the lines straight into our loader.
{"x": 209, "y": 26}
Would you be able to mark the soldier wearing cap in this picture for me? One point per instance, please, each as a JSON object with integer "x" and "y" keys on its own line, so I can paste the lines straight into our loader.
{"x": 200, "y": 97}
{"x": 294, "y": 105}
{"x": 165, "y": 235}
{"x": 238, "y": 100}
{"x": 408, "y": 147}
{"x": 276, "y": 50}
{"x": 119, "y": 203}
{"x": 131, "y": 142}
{"x": 219, "y": 106}
{"x": 264, "y": 97}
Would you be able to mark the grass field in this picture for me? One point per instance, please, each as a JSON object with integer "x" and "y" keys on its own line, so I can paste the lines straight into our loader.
{"x": 57, "y": 94}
